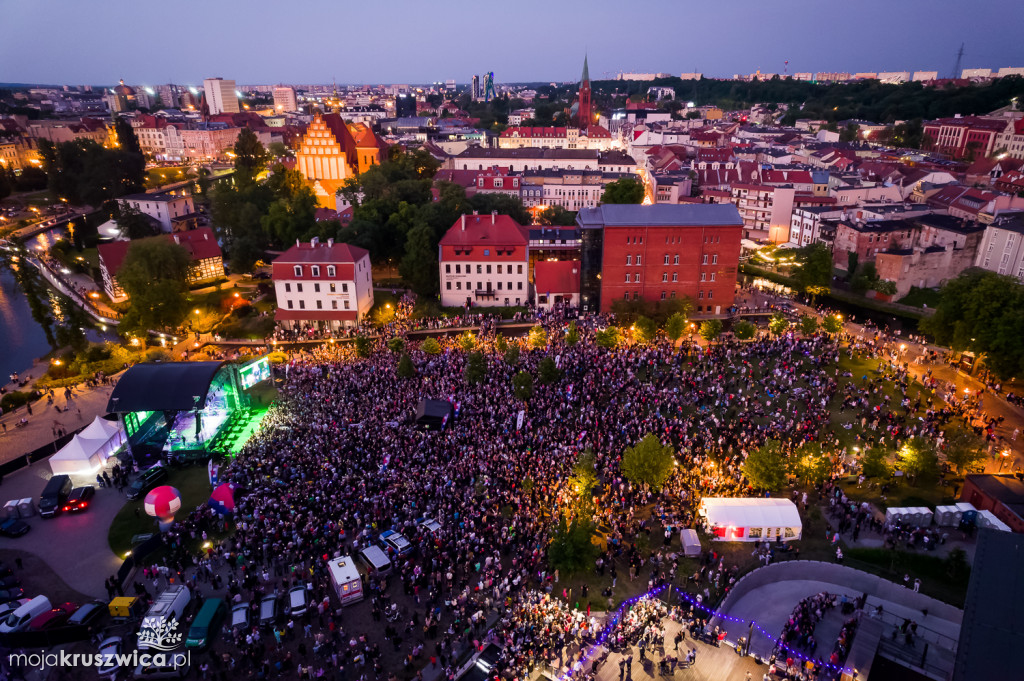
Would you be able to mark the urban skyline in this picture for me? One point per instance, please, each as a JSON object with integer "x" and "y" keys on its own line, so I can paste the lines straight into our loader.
{"x": 877, "y": 37}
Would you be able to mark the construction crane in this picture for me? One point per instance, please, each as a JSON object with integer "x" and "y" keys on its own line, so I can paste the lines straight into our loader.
{"x": 959, "y": 62}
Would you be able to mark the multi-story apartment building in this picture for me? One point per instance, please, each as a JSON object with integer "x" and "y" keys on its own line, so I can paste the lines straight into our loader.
{"x": 284, "y": 99}
{"x": 220, "y": 96}
{"x": 963, "y": 136}
{"x": 326, "y": 285}
{"x": 167, "y": 209}
{"x": 484, "y": 260}
{"x": 1002, "y": 246}
{"x": 594, "y": 137}
{"x": 518, "y": 160}
{"x": 660, "y": 252}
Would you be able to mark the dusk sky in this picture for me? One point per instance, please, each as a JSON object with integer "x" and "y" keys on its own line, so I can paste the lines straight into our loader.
{"x": 413, "y": 41}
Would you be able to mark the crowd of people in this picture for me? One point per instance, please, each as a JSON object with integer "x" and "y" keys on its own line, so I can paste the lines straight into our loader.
{"x": 339, "y": 460}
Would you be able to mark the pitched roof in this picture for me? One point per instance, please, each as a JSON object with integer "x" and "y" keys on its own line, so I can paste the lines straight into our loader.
{"x": 557, "y": 276}
{"x": 662, "y": 214}
{"x": 496, "y": 230}
{"x": 336, "y": 124}
{"x": 321, "y": 252}
{"x": 199, "y": 243}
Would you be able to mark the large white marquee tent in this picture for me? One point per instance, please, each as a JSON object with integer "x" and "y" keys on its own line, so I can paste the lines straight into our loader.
{"x": 743, "y": 519}
{"x": 88, "y": 450}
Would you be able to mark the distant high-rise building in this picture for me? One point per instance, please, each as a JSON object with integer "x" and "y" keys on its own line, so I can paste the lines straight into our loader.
{"x": 284, "y": 99}
{"x": 220, "y": 96}
{"x": 405, "y": 105}
{"x": 449, "y": 84}
{"x": 476, "y": 87}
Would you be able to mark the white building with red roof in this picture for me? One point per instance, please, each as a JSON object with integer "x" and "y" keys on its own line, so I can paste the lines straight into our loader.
{"x": 322, "y": 285}
{"x": 484, "y": 261}
{"x": 207, "y": 261}
{"x": 557, "y": 281}
{"x": 594, "y": 137}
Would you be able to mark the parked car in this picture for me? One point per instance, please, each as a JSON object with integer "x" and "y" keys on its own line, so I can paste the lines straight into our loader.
{"x": 53, "y": 618}
{"x": 12, "y": 527}
{"x": 79, "y": 499}
{"x": 5, "y": 570}
{"x": 11, "y": 593}
{"x": 110, "y": 648}
{"x": 8, "y": 582}
{"x": 269, "y": 611}
{"x": 20, "y": 618}
{"x": 297, "y": 603}
{"x": 240, "y": 617}
{"x": 89, "y": 613}
{"x": 397, "y": 543}
{"x": 10, "y": 606}
{"x": 54, "y": 495}
{"x": 147, "y": 480}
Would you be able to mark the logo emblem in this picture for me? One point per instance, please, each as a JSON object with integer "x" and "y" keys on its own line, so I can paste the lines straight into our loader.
{"x": 159, "y": 633}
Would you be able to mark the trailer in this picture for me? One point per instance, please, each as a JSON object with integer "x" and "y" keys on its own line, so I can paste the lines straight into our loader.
{"x": 346, "y": 580}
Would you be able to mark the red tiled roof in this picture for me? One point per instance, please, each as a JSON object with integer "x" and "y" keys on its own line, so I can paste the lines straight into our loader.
{"x": 325, "y": 214}
{"x": 534, "y": 131}
{"x": 336, "y": 125}
{"x": 322, "y": 252}
{"x": 486, "y": 229}
{"x": 200, "y": 244}
{"x": 557, "y": 276}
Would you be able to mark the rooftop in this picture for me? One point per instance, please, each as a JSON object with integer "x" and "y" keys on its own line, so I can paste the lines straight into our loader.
{"x": 662, "y": 214}
{"x": 321, "y": 252}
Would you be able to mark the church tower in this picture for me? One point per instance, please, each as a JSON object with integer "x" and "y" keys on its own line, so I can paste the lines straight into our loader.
{"x": 583, "y": 115}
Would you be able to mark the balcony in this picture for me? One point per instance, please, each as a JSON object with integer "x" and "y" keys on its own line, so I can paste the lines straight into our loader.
{"x": 485, "y": 293}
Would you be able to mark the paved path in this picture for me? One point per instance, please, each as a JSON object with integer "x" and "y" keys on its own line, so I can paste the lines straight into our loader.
{"x": 85, "y": 405}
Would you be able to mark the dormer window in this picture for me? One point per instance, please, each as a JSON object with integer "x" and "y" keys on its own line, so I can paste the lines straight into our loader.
{"x": 298, "y": 270}
{"x": 315, "y": 270}
{"x": 332, "y": 271}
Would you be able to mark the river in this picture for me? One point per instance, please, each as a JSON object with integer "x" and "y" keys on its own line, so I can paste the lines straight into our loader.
{"x": 21, "y": 339}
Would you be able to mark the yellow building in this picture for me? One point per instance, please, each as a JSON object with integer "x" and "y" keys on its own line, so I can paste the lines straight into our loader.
{"x": 333, "y": 151}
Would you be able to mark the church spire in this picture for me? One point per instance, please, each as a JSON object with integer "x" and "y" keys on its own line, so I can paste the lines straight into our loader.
{"x": 586, "y": 71}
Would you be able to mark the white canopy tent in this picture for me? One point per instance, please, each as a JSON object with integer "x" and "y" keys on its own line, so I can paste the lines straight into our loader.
{"x": 77, "y": 457}
{"x": 742, "y": 519}
{"x": 88, "y": 450}
{"x": 691, "y": 543}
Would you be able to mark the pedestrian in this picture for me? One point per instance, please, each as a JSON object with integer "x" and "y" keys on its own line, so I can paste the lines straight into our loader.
{"x": 917, "y": 585}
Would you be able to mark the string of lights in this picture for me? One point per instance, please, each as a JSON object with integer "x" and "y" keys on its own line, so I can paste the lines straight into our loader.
{"x": 613, "y": 623}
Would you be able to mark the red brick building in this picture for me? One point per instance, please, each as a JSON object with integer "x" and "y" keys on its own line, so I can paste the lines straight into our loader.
{"x": 967, "y": 136}
{"x": 660, "y": 252}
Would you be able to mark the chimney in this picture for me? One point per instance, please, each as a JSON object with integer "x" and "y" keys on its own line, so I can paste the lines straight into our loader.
{"x": 177, "y": 239}
{"x": 463, "y": 222}
{"x": 330, "y": 243}
{"x": 206, "y": 236}
{"x": 314, "y": 242}
{"x": 297, "y": 243}
{"x": 494, "y": 216}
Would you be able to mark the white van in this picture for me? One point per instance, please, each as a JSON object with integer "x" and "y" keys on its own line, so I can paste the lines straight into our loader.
{"x": 20, "y": 618}
{"x": 169, "y": 605}
{"x": 375, "y": 560}
{"x": 345, "y": 578}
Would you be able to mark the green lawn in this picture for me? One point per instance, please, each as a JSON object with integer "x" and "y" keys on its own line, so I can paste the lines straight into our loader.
{"x": 194, "y": 485}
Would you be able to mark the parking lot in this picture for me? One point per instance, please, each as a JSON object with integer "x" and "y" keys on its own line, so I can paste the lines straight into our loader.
{"x": 74, "y": 545}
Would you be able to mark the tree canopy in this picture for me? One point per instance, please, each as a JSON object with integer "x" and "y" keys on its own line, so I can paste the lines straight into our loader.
{"x": 765, "y": 467}
{"x": 626, "y": 190}
{"x": 154, "y": 274}
{"x": 85, "y": 172}
{"x": 983, "y": 312}
{"x": 648, "y": 462}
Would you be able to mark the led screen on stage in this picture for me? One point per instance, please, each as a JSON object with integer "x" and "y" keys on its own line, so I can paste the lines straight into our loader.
{"x": 254, "y": 372}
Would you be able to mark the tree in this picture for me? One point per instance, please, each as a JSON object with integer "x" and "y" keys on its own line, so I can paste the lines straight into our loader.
{"x": 711, "y": 329}
{"x": 127, "y": 140}
{"x": 765, "y": 467}
{"x": 419, "y": 266}
{"x": 874, "y": 463}
{"x": 84, "y": 172}
{"x": 983, "y": 312}
{"x": 675, "y": 327}
{"x": 431, "y": 346}
{"x": 645, "y": 330}
{"x": 744, "y": 330}
{"x": 648, "y": 462}
{"x": 476, "y": 368}
{"x": 919, "y": 461}
{"x": 607, "y": 338}
{"x": 626, "y": 190}
{"x": 363, "y": 346}
{"x": 537, "y": 338}
{"x": 500, "y": 343}
{"x": 467, "y": 341}
{"x": 572, "y": 334}
{"x": 965, "y": 451}
{"x": 808, "y": 324}
{"x": 133, "y": 223}
{"x": 852, "y": 258}
{"x": 866, "y": 278}
{"x": 154, "y": 274}
{"x": 832, "y": 324}
{"x": 811, "y": 464}
{"x": 556, "y": 216}
{"x": 6, "y": 182}
{"x": 405, "y": 366}
{"x": 815, "y": 267}
{"x": 251, "y": 157}
{"x": 886, "y": 287}
{"x": 71, "y": 333}
{"x": 572, "y": 548}
{"x": 512, "y": 355}
{"x": 548, "y": 372}
{"x": 36, "y": 293}
{"x": 778, "y": 324}
{"x": 522, "y": 386}
{"x": 583, "y": 480}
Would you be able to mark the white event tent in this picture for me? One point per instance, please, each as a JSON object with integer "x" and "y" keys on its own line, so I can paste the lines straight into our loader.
{"x": 88, "y": 450}
{"x": 742, "y": 519}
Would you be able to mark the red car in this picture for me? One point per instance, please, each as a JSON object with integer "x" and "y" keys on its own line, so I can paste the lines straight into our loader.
{"x": 79, "y": 499}
{"x": 51, "y": 619}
